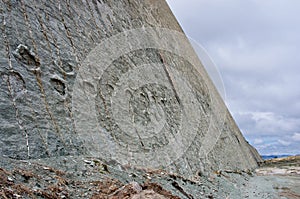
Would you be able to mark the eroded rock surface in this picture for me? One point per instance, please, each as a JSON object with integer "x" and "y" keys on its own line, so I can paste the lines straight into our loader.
{"x": 150, "y": 105}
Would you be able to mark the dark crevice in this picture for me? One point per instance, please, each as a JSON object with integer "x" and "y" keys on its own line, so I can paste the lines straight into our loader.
{"x": 179, "y": 188}
{"x": 59, "y": 86}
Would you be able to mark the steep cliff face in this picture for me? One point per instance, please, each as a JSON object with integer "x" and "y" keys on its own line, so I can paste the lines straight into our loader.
{"x": 111, "y": 79}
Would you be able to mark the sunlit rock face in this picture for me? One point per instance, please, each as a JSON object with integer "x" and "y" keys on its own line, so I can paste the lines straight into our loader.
{"x": 117, "y": 80}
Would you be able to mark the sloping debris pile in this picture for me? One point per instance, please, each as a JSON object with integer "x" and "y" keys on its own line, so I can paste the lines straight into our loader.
{"x": 86, "y": 177}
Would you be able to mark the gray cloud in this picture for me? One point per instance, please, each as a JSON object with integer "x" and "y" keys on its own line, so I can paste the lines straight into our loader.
{"x": 256, "y": 46}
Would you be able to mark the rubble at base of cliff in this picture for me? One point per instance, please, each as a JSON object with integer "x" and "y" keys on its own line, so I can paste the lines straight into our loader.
{"x": 82, "y": 177}
{"x": 90, "y": 177}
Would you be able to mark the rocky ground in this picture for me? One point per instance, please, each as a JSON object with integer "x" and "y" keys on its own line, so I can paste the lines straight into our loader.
{"x": 86, "y": 177}
{"x": 276, "y": 178}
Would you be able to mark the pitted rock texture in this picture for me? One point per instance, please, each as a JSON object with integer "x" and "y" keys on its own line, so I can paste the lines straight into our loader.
{"x": 44, "y": 44}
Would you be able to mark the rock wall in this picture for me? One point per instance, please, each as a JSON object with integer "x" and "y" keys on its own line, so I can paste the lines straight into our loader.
{"x": 111, "y": 79}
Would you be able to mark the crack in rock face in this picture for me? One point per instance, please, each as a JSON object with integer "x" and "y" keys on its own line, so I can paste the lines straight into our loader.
{"x": 16, "y": 83}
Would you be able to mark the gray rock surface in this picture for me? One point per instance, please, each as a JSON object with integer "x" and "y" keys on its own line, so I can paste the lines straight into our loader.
{"x": 153, "y": 106}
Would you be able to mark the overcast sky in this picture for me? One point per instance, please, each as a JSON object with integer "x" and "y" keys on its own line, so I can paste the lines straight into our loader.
{"x": 256, "y": 47}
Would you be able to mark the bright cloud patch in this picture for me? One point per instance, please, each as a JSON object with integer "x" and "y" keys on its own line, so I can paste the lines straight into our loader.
{"x": 296, "y": 137}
